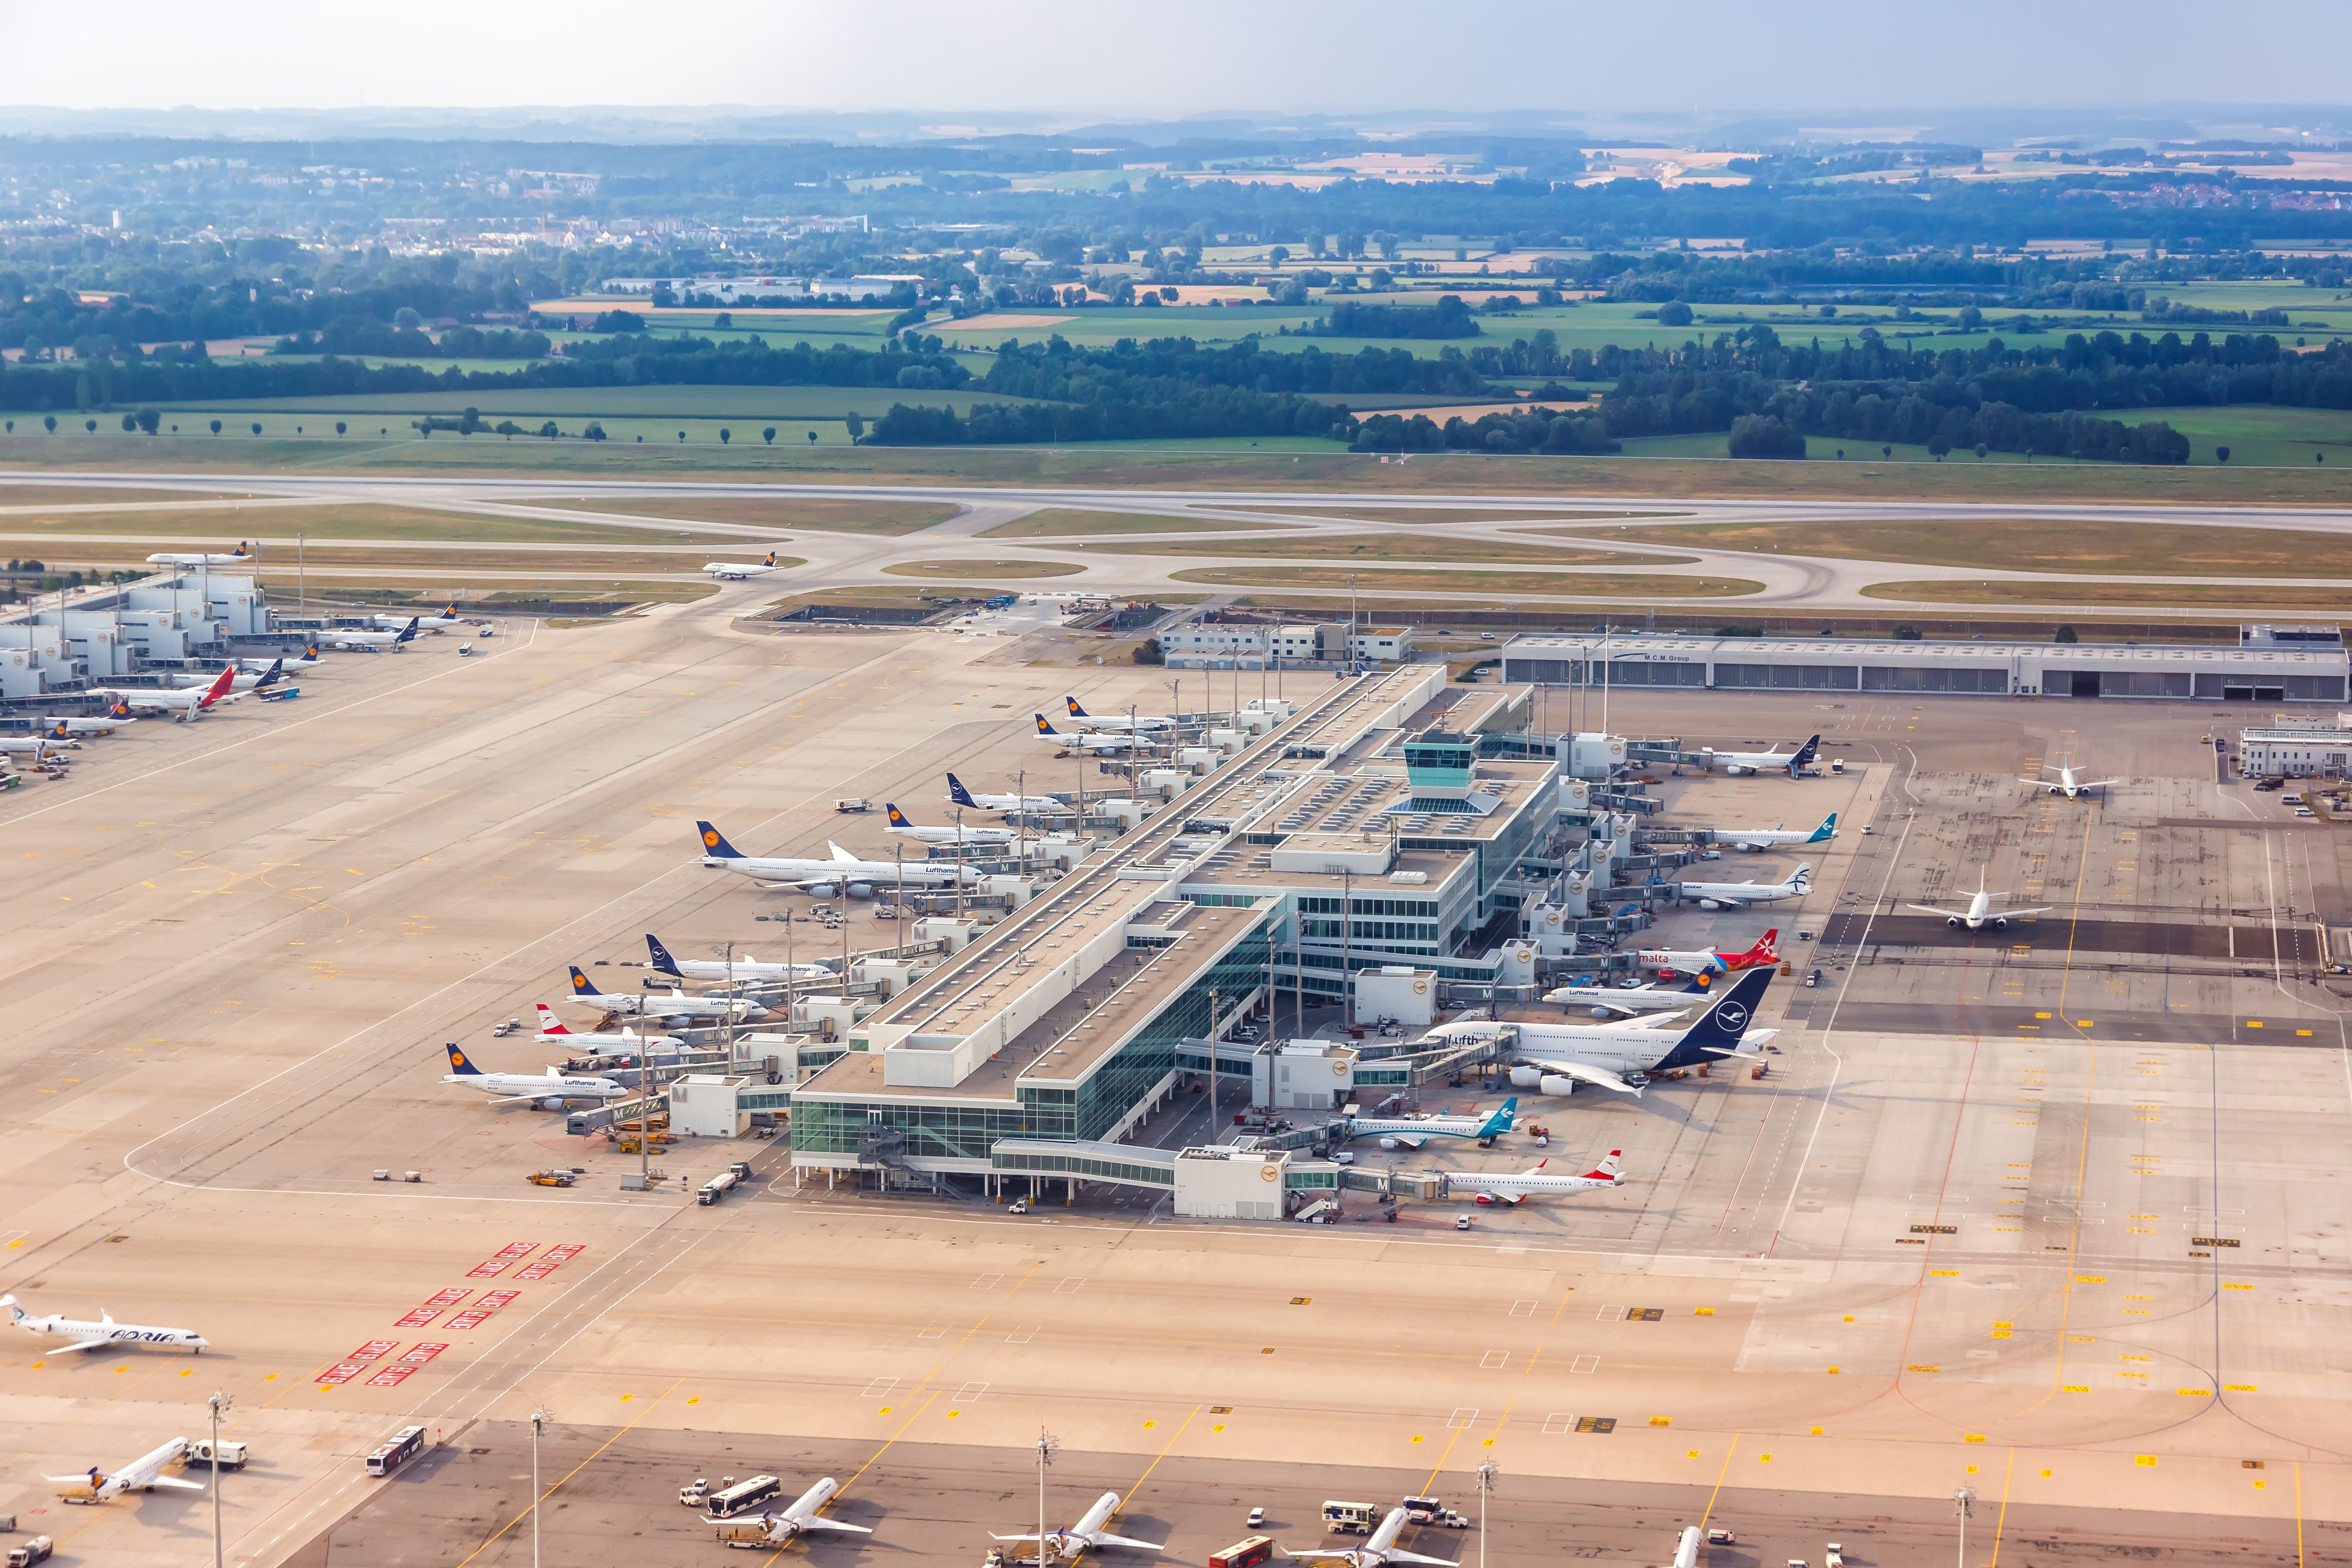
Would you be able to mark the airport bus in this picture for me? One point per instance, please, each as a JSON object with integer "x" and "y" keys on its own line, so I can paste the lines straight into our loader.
{"x": 744, "y": 1495}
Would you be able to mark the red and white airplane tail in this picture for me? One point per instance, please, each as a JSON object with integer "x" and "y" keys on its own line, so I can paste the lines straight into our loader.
{"x": 549, "y": 1024}
{"x": 1607, "y": 1170}
{"x": 219, "y": 687}
{"x": 1763, "y": 952}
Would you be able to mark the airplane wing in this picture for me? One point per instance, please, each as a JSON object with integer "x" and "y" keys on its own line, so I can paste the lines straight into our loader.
{"x": 1409, "y": 1140}
{"x": 1101, "y": 1538}
{"x": 1317, "y": 1555}
{"x": 2042, "y": 784}
{"x": 993, "y": 1536}
{"x": 1926, "y": 910}
{"x": 1501, "y": 1198}
{"x": 86, "y": 1345}
{"x": 175, "y": 1483}
{"x": 2012, "y": 914}
{"x": 863, "y": 1530}
{"x": 1393, "y": 1555}
{"x": 1599, "y": 1077}
{"x": 1658, "y": 1020}
{"x": 2098, "y": 784}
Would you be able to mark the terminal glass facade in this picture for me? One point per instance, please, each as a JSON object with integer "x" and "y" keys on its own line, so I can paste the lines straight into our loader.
{"x": 935, "y": 1131}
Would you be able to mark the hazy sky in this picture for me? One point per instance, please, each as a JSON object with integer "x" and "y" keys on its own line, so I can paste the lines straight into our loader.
{"x": 1189, "y": 57}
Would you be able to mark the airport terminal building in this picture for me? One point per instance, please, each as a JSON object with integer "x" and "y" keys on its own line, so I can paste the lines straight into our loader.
{"x": 2269, "y": 664}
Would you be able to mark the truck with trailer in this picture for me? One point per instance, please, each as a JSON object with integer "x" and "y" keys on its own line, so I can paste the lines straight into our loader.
{"x": 716, "y": 1187}
{"x": 404, "y": 1446}
{"x": 38, "y": 1550}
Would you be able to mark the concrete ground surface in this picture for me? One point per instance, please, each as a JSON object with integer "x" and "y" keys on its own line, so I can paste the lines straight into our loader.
{"x": 1900, "y": 1263}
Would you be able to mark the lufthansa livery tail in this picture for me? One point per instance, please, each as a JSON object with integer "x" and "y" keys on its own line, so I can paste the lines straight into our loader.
{"x": 1720, "y": 1029}
{"x": 896, "y": 817}
{"x": 1076, "y": 712}
{"x": 458, "y": 1063}
{"x": 662, "y": 959}
{"x": 581, "y": 986}
{"x": 1045, "y": 728}
{"x": 714, "y": 844}
{"x": 1805, "y": 754}
{"x": 958, "y": 794}
{"x": 771, "y": 560}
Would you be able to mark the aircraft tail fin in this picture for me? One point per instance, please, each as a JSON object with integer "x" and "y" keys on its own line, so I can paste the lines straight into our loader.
{"x": 1504, "y": 1114}
{"x": 1606, "y": 1169}
{"x": 1071, "y": 703}
{"x": 581, "y": 986}
{"x": 458, "y": 1063}
{"x": 549, "y": 1024}
{"x": 219, "y": 687}
{"x": 715, "y": 843}
{"x": 958, "y": 794}
{"x": 837, "y": 852}
{"x": 1826, "y": 831}
{"x": 662, "y": 959}
{"x": 15, "y": 1311}
{"x": 896, "y": 817}
{"x": 1719, "y": 1028}
{"x": 1805, "y": 754}
{"x": 1043, "y": 728}
{"x": 1803, "y": 879}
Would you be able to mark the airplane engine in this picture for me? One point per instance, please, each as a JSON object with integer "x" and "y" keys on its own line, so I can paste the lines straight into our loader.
{"x": 1709, "y": 904}
{"x": 823, "y": 890}
{"x": 1601, "y": 1012}
{"x": 1954, "y": 922}
{"x": 2000, "y": 923}
{"x": 1484, "y": 1198}
{"x": 1548, "y": 1084}
{"x": 1390, "y": 1145}
{"x": 551, "y": 1103}
{"x": 1735, "y": 770}
{"x": 861, "y": 890}
{"x": 1525, "y": 1077}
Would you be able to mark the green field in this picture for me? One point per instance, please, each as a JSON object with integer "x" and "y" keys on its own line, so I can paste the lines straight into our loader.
{"x": 1416, "y": 547}
{"x": 2258, "y": 435}
{"x": 1053, "y": 522}
{"x": 1391, "y": 580}
{"x": 2094, "y": 547}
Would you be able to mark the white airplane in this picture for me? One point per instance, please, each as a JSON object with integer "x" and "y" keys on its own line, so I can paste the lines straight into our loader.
{"x": 1502, "y": 1187}
{"x": 1703, "y": 962}
{"x": 37, "y": 747}
{"x": 1086, "y": 720}
{"x": 746, "y": 968}
{"x": 1687, "y": 1549}
{"x": 674, "y": 1004}
{"x": 802, "y": 1516}
{"x": 347, "y": 638}
{"x": 187, "y": 701}
{"x": 89, "y": 1336}
{"x": 1979, "y": 913}
{"x": 142, "y": 1475}
{"x": 1381, "y": 1549}
{"x": 737, "y": 571}
{"x": 447, "y": 617}
{"x": 959, "y": 796}
{"x": 1740, "y": 895}
{"x": 238, "y": 556}
{"x": 1089, "y": 743}
{"x": 240, "y": 679}
{"x": 1758, "y": 761}
{"x": 1629, "y": 1001}
{"x": 115, "y": 717}
{"x": 549, "y": 1089}
{"x": 1087, "y": 1534}
{"x": 1772, "y": 837}
{"x": 899, "y": 825}
{"x": 825, "y": 878}
{"x": 1412, "y": 1131}
{"x": 2066, "y": 784}
{"x": 626, "y": 1042}
{"x": 1556, "y": 1057}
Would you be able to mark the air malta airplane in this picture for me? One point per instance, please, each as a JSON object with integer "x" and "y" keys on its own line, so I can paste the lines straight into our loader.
{"x": 1669, "y": 961}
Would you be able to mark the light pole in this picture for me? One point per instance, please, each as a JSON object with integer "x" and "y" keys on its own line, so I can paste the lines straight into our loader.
{"x": 726, "y": 951}
{"x": 1963, "y": 1503}
{"x": 1486, "y": 1474}
{"x": 538, "y": 1419}
{"x": 216, "y": 1403}
{"x": 1047, "y": 1445}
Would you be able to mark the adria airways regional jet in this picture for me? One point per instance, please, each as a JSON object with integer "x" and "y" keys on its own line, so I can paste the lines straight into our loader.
{"x": 89, "y": 1336}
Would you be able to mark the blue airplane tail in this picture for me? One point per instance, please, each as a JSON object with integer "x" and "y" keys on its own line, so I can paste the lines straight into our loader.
{"x": 457, "y": 1062}
{"x": 1076, "y": 712}
{"x": 1504, "y": 1114}
{"x": 1826, "y": 831}
{"x": 715, "y": 843}
{"x": 1719, "y": 1028}
{"x": 1805, "y": 754}
{"x": 662, "y": 959}
{"x": 581, "y": 986}
{"x": 896, "y": 817}
{"x": 957, "y": 794}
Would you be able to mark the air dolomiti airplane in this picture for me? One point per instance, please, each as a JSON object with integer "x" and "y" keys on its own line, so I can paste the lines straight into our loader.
{"x": 1376, "y": 1552}
{"x": 2066, "y": 784}
{"x": 1412, "y": 1131}
{"x": 143, "y": 1474}
{"x": 1500, "y": 1187}
{"x": 549, "y": 1089}
{"x": 1772, "y": 837}
{"x": 240, "y": 555}
{"x": 901, "y": 827}
{"x": 959, "y": 796}
{"x": 447, "y": 617}
{"x": 1758, "y": 761}
{"x": 1978, "y": 914}
{"x": 737, "y": 571}
{"x": 1087, "y": 1534}
{"x": 744, "y": 968}
{"x": 1558, "y": 1057}
{"x": 89, "y": 1336}
{"x": 117, "y": 717}
{"x": 802, "y": 1516}
{"x": 844, "y": 871}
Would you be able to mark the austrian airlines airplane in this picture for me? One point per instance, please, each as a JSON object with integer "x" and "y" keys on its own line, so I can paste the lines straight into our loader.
{"x": 1500, "y": 1187}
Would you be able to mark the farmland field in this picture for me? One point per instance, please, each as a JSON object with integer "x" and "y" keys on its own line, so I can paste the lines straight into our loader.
{"x": 1394, "y": 547}
{"x": 1630, "y": 584}
{"x": 771, "y": 511}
